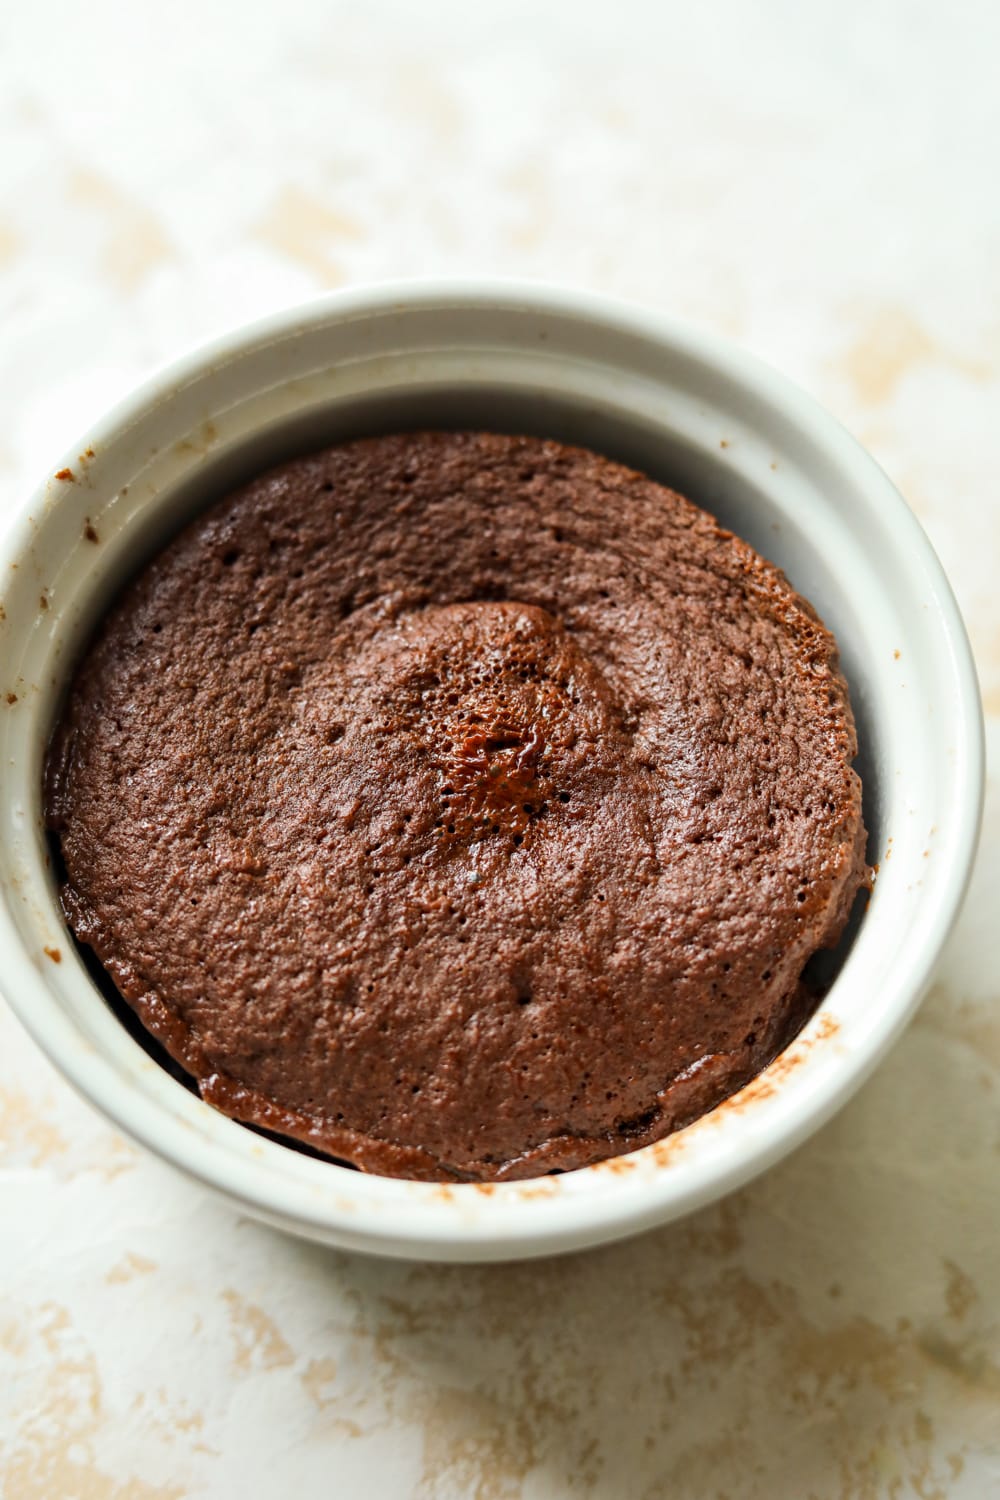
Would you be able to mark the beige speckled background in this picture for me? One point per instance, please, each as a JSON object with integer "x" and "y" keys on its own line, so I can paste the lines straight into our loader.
{"x": 817, "y": 180}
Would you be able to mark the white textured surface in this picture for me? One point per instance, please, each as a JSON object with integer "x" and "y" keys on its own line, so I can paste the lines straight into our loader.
{"x": 814, "y": 180}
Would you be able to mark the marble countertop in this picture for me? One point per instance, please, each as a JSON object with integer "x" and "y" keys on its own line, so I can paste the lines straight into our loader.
{"x": 819, "y": 183}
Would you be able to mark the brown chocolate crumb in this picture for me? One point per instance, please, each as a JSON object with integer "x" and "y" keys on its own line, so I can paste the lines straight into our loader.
{"x": 54, "y": 954}
{"x": 89, "y": 532}
{"x": 66, "y": 474}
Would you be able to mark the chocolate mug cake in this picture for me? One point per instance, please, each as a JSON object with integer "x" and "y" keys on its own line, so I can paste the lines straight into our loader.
{"x": 466, "y": 807}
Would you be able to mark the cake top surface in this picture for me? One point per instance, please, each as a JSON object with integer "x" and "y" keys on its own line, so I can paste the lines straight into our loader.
{"x": 464, "y": 805}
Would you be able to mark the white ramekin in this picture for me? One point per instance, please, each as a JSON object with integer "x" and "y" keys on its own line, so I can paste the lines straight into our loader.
{"x": 691, "y": 410}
